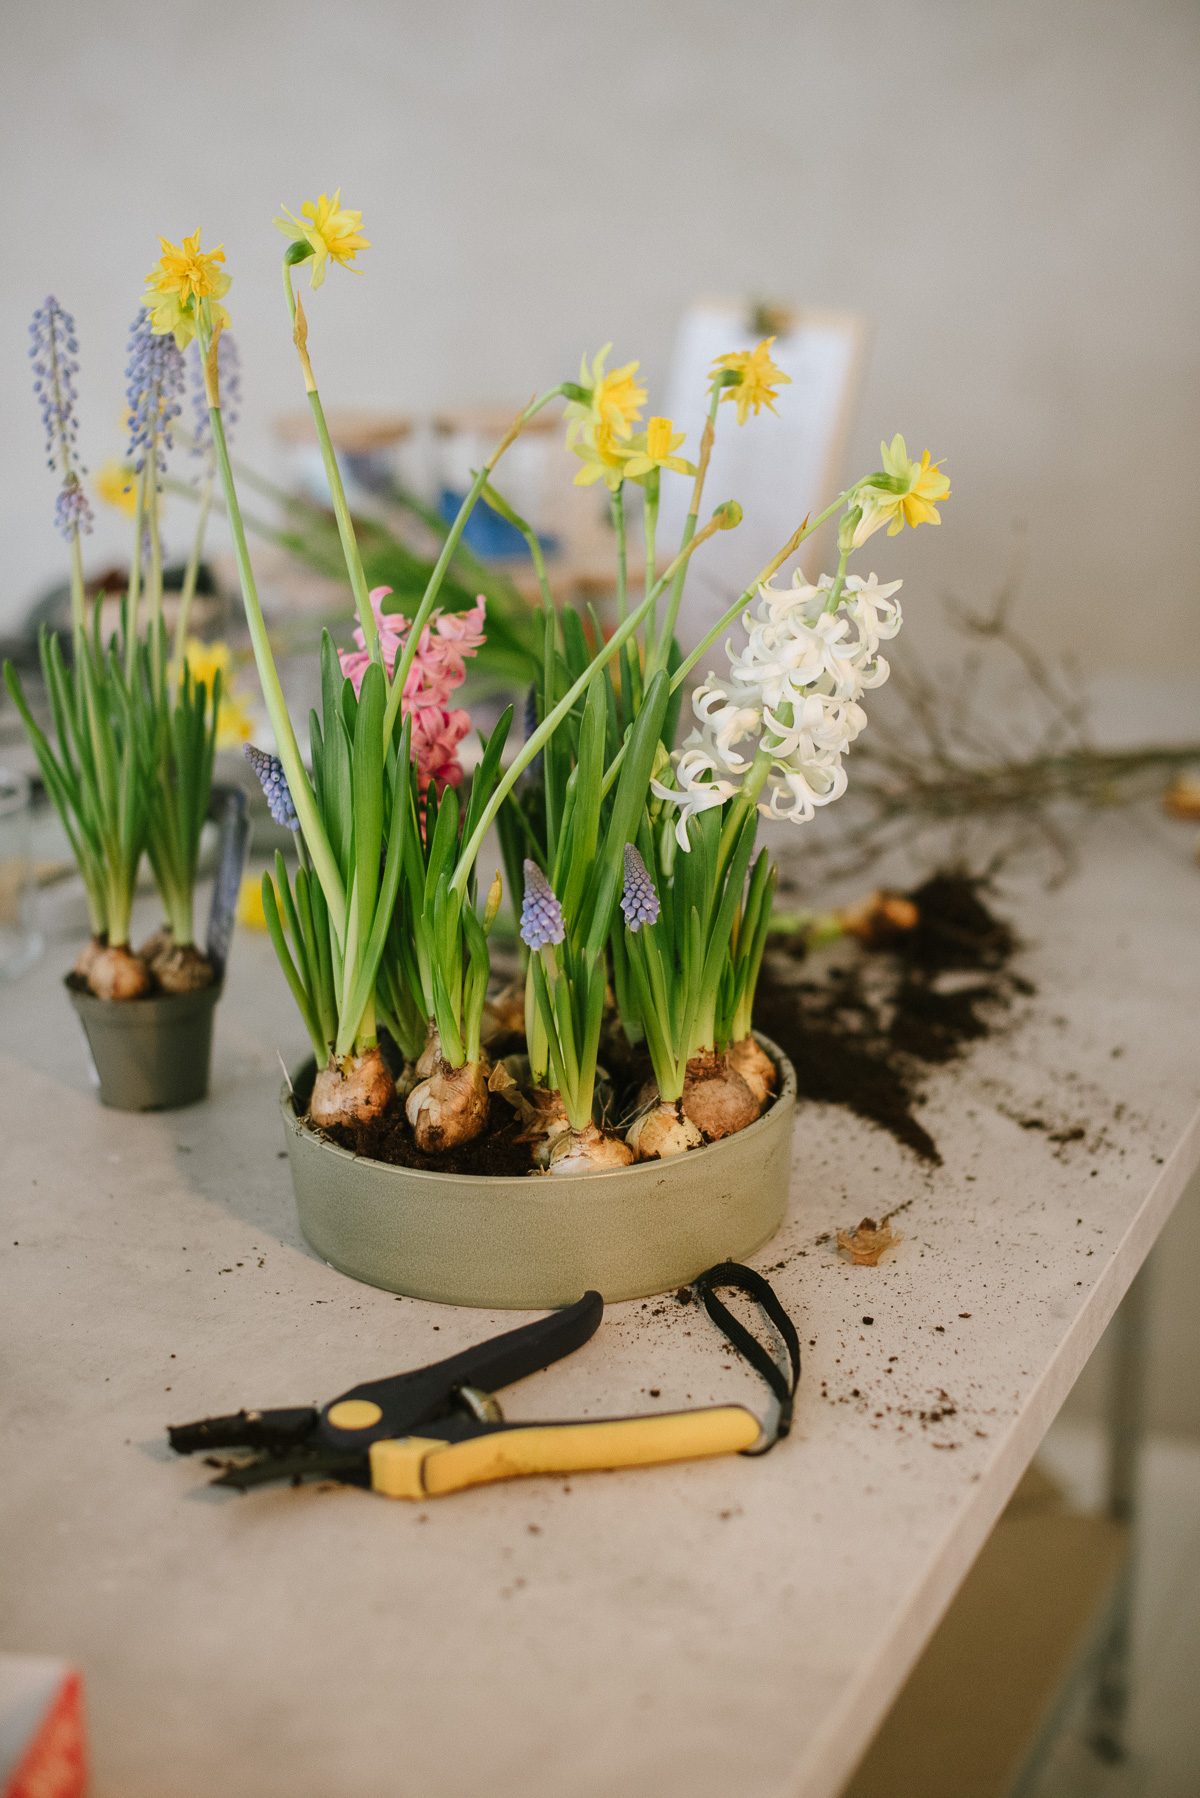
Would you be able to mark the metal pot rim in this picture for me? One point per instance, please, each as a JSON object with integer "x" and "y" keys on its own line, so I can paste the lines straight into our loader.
{"x": 152, "y": 1008}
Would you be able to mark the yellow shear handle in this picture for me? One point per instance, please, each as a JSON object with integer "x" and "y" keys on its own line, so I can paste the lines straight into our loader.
{"x": 422, "y": 1467}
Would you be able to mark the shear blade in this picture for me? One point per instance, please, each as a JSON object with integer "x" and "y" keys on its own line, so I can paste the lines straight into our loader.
{"x": 243, "y": 1429}
{"x": 352, "y": 1468}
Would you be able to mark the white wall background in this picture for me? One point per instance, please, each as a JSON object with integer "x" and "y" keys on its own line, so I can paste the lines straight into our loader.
{"x": 1008, "y": 189}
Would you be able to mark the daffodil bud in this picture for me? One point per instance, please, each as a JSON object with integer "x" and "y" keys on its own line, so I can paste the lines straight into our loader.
{"x": 728, "y": 516}
{"x": 495, "y": 892}
{"x": 501, "y": 507}
{"x": 850, "y": 521}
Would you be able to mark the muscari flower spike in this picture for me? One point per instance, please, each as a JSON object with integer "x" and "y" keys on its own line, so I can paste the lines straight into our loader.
{"x": 72, "y": 512}
{"x": 273, "y": 781}
{"x": 639, "y": 901}
{"x": 154, "y": 377}
{"x": 53, "y": 352}
{"x": 541, "y": 914}
{"x": 229, "y": 380}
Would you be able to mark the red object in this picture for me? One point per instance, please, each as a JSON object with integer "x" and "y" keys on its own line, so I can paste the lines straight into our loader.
{"x": 52, "y": 1761}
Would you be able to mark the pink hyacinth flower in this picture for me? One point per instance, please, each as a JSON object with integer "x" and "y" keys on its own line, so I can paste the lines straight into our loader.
{"x": 438, "y": 667}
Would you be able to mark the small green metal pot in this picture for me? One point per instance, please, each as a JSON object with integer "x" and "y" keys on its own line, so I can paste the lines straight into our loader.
{"x": 533, "y": 1242}
{"x": 155, "y": 1054}
{"x": 150, "y": 1054}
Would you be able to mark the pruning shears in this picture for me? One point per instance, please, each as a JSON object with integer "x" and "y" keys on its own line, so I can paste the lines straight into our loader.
{"x": 439, "y": 1429}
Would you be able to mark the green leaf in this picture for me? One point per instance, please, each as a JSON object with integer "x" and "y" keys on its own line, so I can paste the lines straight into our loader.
{"x": 442, "y": 842}
{"x": 580, "y": 838}
{"x": 332, "y": 678}
{"x": 628, "y": 801}
{"x": 367, "y": 791}
{"x": 291, "y": 974}
{"x": 338, "y": 795}
{"x": 483, "y": 780}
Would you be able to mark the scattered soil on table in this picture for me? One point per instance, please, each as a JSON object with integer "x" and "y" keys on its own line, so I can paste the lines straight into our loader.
{"x": 863, "y": 1036}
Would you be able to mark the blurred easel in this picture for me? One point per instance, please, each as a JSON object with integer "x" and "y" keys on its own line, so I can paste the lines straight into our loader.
{"x": 779, "y": 465}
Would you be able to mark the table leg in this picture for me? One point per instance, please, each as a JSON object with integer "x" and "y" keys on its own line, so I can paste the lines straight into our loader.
{"x": 1109, "y": 1702}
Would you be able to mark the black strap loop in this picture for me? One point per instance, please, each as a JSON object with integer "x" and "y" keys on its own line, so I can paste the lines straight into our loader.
{"x": 745, "y": 1279}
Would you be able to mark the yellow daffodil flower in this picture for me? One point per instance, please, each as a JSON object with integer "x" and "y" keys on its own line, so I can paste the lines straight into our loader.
{"x": 183, "y": 275}
{"x": 921, "y": 485}
{"x": 332, "y": 231}
{"x": 205, "y": 661}
{"x": 760, "y": 379}
{"x": 614, "y": 403}
{"x": 603, "y": 458}
{"x": 655, "y": 448}
{"x": 116, "y": 485}
{"x": 250, "y": 910}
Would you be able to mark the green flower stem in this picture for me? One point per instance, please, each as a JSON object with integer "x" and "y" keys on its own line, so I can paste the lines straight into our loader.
{"x": 345, "y": 525}
{"x": 366, "y": 1036}
{"x": 661, "y": 652}
{"x": 78, "y": 587}
{"x": 650, "y": 529}
{"x": 501, "y": 505}
{"x": 303, "y": 797}
{"x": 133, "y": 597}
{"x": 446, "y": 556}
{"x": 549, "y": 634}
{"x": 245, "y": 476}
{"x": 190, "y": 576}
{"x": 433, "y": 586}
{"x": 154, "y": 633}
{"x": 616, "y": 503}
{"x": 743, "y": 600}
{"x": 270, "y": 533}
{"x": 839, "y": 579}
{"x": 744, "y": 801}
{"x": 177, "y": 903}
{"x": 550, "y": 723}
{"x": 333, "y": 475}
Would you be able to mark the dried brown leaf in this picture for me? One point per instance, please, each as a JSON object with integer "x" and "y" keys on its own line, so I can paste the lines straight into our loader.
{"x": 868, "y": 1242}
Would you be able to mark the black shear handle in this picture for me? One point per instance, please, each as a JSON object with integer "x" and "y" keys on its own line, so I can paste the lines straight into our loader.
{"x": 407, "y": 1400}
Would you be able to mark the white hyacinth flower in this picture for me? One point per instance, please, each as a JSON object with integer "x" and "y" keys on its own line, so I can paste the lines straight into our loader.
{"x": 787, "y": 655}
{"x": 821, "y": 725}
{"x": 793, "y": 699}
{"x": 701, "y": 774}
{"x": 727, "y": 719}
{"x": 795, "y": 791}
{"x": 875, "y": 614}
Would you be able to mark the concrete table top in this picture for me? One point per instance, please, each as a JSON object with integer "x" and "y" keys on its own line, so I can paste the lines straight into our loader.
{"x": 737, "y": 1626}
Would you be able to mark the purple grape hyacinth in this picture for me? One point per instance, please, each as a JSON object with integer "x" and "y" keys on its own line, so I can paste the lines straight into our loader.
{"x": 229, "y": 377}
{"x": 154, "y": 377}
{"x": 53, "y": 353}
{"x": 72, "y": 513}
{"x": 639, "y": 901}
{"x": 533, "y": 772}
{"x": 541, "y": 914}
{"x": 273, "y": 781}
